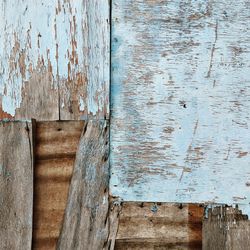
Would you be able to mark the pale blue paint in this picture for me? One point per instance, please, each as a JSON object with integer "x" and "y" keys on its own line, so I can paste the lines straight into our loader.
{"x": 157, "y": 64}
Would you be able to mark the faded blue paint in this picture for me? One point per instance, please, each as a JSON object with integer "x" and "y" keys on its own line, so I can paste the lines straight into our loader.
{"x": 180, "y": 101}
{"x": 66, "y": 38}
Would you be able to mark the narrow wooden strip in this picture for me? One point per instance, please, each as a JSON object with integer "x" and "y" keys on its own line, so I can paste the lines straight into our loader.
{"x": 16, "y": 185}
{"x": 114, "y": 217}
{"x": 86, "y": 217}
{"x": 226, "y": 228}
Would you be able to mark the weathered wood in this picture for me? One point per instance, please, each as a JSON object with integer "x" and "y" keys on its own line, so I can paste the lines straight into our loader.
{"x": 180, "y": 101}
{"x": 55, "y": 55}
{"x": 159, "y": 226}
{"x": 85, "y": 223}
{"x": 56, "y": 145}
{"x": 114, "y": 217}
{"x": 16, "y": 185}
{"x": 226, "y": 228}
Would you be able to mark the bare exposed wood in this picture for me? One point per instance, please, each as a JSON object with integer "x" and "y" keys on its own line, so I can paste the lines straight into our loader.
{"x": 114, "y": 216}
{"x": 225, "y": 228}
{"x": 56, "y": 145}
{"x": 16, "y": 185}
{"x": 159, "y": 226}
{"x": 180, "y": 101}
{"x": 85, "y": 223}
{"x": 55, "y": 55}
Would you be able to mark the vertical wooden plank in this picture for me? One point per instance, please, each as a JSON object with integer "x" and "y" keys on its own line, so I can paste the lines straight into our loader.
{"x": 55, "y": 55}
{"x": 114, "y": 219}
{"x": 86, "y": 217}
{"x": 225, "y": 228}
{"x": 85, "y": 91}
{"x": 16, "y": 185}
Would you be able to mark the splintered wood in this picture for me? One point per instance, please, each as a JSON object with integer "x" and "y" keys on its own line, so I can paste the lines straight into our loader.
{"x": 226, "y": 228}
{"x": 16, "y": 185}
{"x": 86, "y": 216}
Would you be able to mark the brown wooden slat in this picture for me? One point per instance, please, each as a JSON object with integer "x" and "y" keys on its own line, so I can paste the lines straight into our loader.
{"x": 56, "y": 144}
{"x": 159, "y": 226}
{"x": 16, "y": 185}
{"x": 86, "y": 217}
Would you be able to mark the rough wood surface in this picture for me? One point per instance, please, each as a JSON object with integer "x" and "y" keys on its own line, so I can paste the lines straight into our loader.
{"x": 55, "y": 55}
{"x": 225, "y": 228}
{"x": 16, "y": 185}
{"x": 85, "y": 223}
{"x": 56, "y": 145}
{"x": 159, "y": 226}
{"x": 114, "y": 218}
{"x": 180, "y": 101}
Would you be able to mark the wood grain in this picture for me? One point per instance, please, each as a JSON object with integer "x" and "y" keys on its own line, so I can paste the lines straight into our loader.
{"x": 85, "y": 223}
{"x": 159, "y": 226}
{"x": 16, "y": 185}
{"x": 55, "y": 56}
{"x": 226, "y": 228}
{"x": 180, "y": 101}
{"x": 56, "y": 146}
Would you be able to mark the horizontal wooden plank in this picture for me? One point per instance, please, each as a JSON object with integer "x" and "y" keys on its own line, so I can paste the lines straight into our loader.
{"x": 159, "y": 226}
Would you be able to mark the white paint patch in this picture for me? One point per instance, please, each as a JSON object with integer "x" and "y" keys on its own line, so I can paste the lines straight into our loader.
{"x": 81, "y": 104}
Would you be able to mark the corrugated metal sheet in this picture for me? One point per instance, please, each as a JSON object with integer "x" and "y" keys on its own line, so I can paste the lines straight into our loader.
{"x": 56, "y": 145}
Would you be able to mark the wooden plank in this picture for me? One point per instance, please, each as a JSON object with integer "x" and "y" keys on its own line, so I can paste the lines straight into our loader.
{"x": 85, "y": 223}
{"x": 159, "y": 226}
{"x": 114, "y": 218}
{"x": 180, "y": 101}
{"x": 55, "y": 55}
{"x": 56, "y": 145}
{"x": 16, "y": 185}
{"x": 226, "y": 228}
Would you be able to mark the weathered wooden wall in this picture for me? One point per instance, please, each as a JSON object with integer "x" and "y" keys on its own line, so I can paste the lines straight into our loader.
{"x": 54, "y": 59}
{"x": 180, "y": 102}
{"x": 139, "y": 224}
{"x": 16, "y": 185}
{"x": 55, "y": 150}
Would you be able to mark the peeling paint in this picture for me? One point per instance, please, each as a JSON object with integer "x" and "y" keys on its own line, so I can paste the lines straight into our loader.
{"x": 66, "y": 39}
{"x": 180, "y": 101}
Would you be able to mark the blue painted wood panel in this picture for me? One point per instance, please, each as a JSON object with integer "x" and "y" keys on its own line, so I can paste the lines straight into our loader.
{"x": 54, "y": 59}
{"x": 180, "y": 101}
